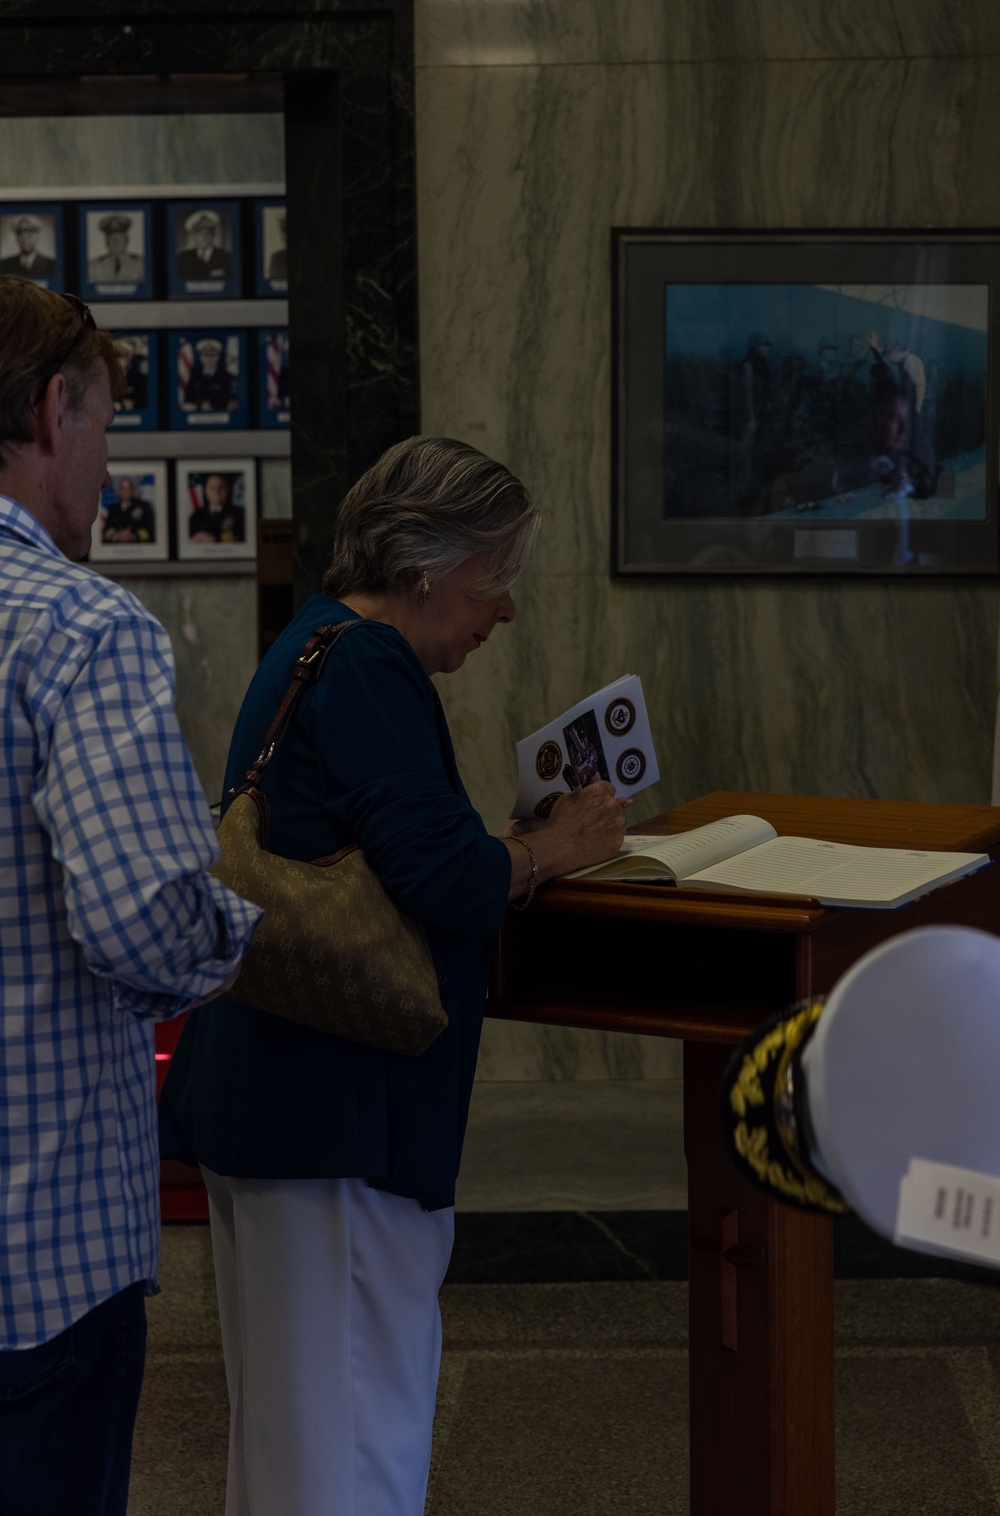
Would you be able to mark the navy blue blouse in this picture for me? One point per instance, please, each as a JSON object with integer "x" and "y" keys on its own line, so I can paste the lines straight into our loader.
{"x": 367, "y": 759}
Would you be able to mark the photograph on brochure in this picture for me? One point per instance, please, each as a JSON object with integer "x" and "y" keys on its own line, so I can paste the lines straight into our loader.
{"x": 606, "y": 736}
{"x": 131, "y": 523}
{"x": 208, "y": 380}
{"x": 271, "y": 264}
{"x": 272, "y": 369}
{"x": 31, "y": 244}
{"x": 203, "y": 254}
{"x": 138, "y": 410}
{"x": 216, "y": 506}
{"x": 116, "y": 250}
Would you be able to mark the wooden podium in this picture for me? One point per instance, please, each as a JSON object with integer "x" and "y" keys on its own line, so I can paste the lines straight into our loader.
{"x": 708, "y": 968}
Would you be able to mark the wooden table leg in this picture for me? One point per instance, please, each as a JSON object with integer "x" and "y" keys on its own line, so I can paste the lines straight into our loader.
{"x": 761, "y": 1315}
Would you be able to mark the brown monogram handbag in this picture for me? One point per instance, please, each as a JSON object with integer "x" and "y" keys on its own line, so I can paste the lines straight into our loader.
{"x": 332, "y": 951}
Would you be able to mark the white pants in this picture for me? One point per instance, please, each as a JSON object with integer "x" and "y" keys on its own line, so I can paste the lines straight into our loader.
{"x": 328, "y": 1300}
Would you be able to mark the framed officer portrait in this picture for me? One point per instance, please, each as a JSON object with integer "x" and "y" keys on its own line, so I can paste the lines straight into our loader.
{"x": 116, "y": 251}
{"x": 272, "y": 376}
{"x": 208, "y": 381}
{"x": 216, "y": 508}
{"x": 31, "y": 244}
{"x": 132, "y": 523}
{"x": 271, "y": 262}
{"x": 203, "y": 252}
{"x": 138, "y": 410}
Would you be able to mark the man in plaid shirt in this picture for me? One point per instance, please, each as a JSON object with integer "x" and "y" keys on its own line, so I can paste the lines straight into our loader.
{"x": 108, "y": 922}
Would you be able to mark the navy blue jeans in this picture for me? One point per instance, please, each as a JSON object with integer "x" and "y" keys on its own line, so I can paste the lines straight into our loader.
{"x": 67, "y": 1410}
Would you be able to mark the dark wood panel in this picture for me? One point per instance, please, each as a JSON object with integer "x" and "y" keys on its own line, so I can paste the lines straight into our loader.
{"x": 761, "y": 1318}
{"x": 651, "y": 962}
{"x": 728, "y": 1023}
{"x": 668, "y": 904}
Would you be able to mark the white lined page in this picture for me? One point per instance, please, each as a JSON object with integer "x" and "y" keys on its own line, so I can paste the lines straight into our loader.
{"x": 836, "y": 873}
{"x": 651, "y": 857}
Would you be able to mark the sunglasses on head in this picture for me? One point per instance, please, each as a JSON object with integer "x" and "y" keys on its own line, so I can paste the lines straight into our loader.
{"x": 87, "y": 323}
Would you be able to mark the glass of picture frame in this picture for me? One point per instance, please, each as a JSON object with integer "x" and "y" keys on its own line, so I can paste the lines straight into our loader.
{"x": 806, "y": 402}
{"x": 208, "y": 380}
{"x": 116, "y": 250}
{"x": 271, "y": 261}
{"x": 32, "y": 245}
{"x": 138, "y": 409}
{"x": 216, "y": 508}
{"x": 203, "y": 249}
{"x": 132, "y": 522}
{"x": 273, "y": 403}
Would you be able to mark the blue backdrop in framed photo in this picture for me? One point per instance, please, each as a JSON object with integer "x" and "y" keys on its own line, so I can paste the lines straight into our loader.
{"x": 203, "y": 249}
{"x": 116, "y": 250}
{"x": 271, "y": 252}
{"x": 208, "y": 381}
{"x": 139, "y": 408}
{"x": 32, "y": 244}
{"x": 272, "y": 378}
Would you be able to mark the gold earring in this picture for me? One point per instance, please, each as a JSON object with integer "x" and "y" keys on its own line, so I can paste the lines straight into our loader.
{"x": 423, "y": 593}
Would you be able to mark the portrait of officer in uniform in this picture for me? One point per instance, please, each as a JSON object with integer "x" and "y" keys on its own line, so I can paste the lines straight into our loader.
{"x": 216, "y": 506}
{"x": 133, "y": 355}
{"x": 209, "y": 386}
{"x": 204, "y": 257}
{"x": 271, "y": 252}
{"x": 218, "y": 518}
{"x": 130, "y": 517}
{"x": 277, "y": 267}
{"x": 117, "y": 264}
{"x": 32, "y": 235}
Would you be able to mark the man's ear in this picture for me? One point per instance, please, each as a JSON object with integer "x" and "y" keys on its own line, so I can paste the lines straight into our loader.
{"x": 50, "y": 413}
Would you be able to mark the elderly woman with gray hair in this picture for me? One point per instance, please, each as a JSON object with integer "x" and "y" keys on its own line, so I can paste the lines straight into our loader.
{"x": 331, "y": 1166}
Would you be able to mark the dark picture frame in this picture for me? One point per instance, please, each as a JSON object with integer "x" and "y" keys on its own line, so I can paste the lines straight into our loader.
{"x": 273, "y": 378}
{"x": 805, "y": 403}
{"x": 203, "y": 249}
{"x": 33, "y": 244}
{"x": 207, "y": 380}
{"x": 116, "y": 250}
{"x": 271, "y": 247}
{"x": 138, "y": 410}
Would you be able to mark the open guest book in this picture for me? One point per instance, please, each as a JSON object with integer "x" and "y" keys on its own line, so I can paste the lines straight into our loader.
{"x": 744, "y": 855}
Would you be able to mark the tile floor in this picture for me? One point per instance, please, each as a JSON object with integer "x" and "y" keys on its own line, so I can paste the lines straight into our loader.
{"x": 570, "y": 1399}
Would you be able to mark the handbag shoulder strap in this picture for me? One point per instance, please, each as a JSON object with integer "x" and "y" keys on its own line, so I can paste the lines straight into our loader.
{"x": 307, "y": 670}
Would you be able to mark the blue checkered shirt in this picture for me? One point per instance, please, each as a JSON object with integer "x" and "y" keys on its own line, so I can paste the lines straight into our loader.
{"x": 108, "y": 922}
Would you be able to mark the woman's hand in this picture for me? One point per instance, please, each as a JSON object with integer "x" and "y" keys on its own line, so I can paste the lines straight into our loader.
{"x": 584, "y": 827}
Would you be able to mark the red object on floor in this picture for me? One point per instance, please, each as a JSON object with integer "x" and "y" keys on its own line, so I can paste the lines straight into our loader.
{"x": 183, "y": 1196}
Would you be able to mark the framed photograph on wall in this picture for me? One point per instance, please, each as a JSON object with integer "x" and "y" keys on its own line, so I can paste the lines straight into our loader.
{"x": 216, "y": 508}
{"x": 208, "y": 380}
{"x": 131, "y": 524}
{"x": 138, "y": 410}
{"x": 271, "y": 262}
{"x": 272, "y": 376}
{"x": 31, "y": 244}
{"x": 116, "y": 250}
{"x": 203, "y": 251}
{"x": 806, "y": 402}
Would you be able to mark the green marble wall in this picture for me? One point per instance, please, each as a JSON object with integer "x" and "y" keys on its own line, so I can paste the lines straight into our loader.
{"x": 539, "y": 127}
{"x": 535, "y": 136}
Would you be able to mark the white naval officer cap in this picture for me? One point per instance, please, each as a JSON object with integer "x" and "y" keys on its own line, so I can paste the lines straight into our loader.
{"x": 27, "y": 224}
{"x": 208, "y": 345}
{"x": 900, "y": 1065}
{"x": 201, "y": 218}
